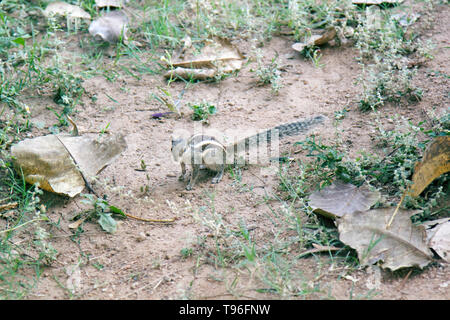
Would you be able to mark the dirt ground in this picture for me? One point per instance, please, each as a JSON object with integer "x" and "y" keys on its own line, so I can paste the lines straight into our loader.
{"x": 142, "y": 260}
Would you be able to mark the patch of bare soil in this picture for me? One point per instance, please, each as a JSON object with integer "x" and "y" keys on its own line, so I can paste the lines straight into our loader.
{"x": 142, "y": 260}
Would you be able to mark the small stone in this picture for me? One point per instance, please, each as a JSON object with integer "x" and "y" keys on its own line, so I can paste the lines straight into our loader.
{"x": 141, "y": 237}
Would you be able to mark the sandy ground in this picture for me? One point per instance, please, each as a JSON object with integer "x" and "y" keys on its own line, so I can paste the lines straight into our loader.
{"x": 142, "y": 260}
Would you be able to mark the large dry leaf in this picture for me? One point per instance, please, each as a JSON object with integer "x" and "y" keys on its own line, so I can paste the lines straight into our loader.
{"x": 438, "y": 235}
{"x": 66, "y": 10}
{"x": 49, "y": 160}
{"x": 316, "y": 40}
{"x": 93, "y": 154}
{"x": 435, "y": 162}
{"x": 110, "y": 27}
{"x": 402, "y": 245}
{"x": 340, "y": 198}
{"x": 218, "y": 56}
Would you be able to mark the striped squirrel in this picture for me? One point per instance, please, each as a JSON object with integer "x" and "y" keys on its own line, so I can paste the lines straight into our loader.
{"x": 205, "y": 151}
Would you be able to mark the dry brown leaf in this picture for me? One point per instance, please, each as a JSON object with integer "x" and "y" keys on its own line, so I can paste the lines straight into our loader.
{"x": 110, "y": 27}
{"x": 438, "y": 235}
{"x": 76, "y": 224}
{"x": 187, "y": 73}
{"x": 341, "y": 198}
{"x": 403, "y": 245}
{"x": 66, "y": 10}
{"x": 218, "y": 56}
{"x": 92, "y": 154}
{"x": 435, "y": 162}
{"x": 316, "y": 40}
{"x": 48, "y": 160}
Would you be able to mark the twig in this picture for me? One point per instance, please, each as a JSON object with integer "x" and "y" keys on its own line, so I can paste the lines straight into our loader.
{"x": 404, "y": 280}
{"x": 319, "y": 248}
{"x": 396, "y": 210}
{"x": 150, "y": 220}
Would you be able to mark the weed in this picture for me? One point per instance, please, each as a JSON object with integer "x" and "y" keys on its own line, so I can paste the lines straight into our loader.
{"x": 186, "y": 252}
{"x": 267, "y": 73}
{"x": 202, "y": 111}
{"x": 20, "y": 254}
{"x": 102, "y": 211}
{"x": 384, "y": 47}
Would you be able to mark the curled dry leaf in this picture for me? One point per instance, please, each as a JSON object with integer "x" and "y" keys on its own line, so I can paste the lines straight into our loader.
{"x": 67, "y": 10}
{"x": 341, "y": 198}
{"x": 438, "y": 235}
{"x": 218, "y": 56}
{"x": 48, "y": 160}
{"x": 316, "y": 40}
{"x": 188, "y": 73}
{"x": 435, "y": 162}
{"x": 403, "y": 245}
{"x": 110, "y": 27}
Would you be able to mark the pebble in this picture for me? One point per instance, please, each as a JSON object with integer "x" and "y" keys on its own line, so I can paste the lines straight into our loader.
{"x": 141, "y": 237}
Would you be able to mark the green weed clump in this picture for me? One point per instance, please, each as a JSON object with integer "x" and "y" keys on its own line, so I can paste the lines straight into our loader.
{"x": 202, "y": 111}
{"x": 25, "y": 246}
{"x": 385, "y": 47}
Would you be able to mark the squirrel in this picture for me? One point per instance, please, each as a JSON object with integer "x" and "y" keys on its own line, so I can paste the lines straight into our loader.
{"x": 205, "y": 151}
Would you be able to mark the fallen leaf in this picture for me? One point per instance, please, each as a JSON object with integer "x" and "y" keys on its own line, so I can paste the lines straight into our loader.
{"x": 341, "y": 198}
{"x": 373, "y": 2}
{"x": 218, "y": 56}
{"x": 435, "y": 162}
{"x": 110, "y": 3}
{"x": 76, "y": 224}
{"x": 48, "y": 160}
{"x": 110, "y": 27}
{"x": 316, "y": 40}
{"x": 187, "y": 73}
{"x": 403, "y": 245}
{"x": 66, "y": 10}
{"x": 93, "y": 154}
{"x": 107, "y": 223}
{"x": 438, "y": 234}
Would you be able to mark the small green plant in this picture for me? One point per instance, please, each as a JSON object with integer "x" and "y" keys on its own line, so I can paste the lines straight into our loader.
{"x": 268, "y": 73}
{"x": 102, "y": 211}
{"x": 202, "y": 111}
{"x": 186, "y": 252}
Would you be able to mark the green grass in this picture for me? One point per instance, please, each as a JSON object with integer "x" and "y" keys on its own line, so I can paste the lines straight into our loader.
{"x": 40, "y": 58}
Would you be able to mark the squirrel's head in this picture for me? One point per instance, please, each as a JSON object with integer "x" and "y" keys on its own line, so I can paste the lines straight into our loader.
{"x": 178, "y": 146}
